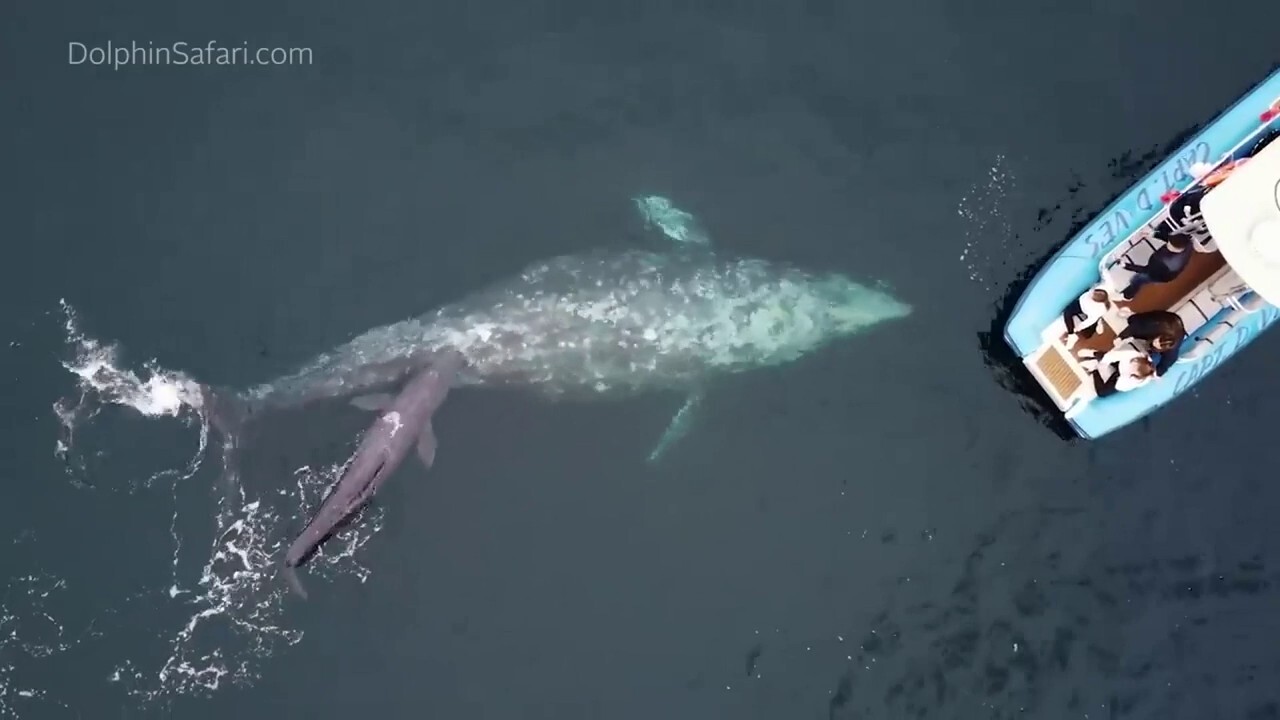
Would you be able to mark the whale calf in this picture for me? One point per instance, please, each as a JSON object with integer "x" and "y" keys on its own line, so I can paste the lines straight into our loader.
{"x": 404, "y": 422}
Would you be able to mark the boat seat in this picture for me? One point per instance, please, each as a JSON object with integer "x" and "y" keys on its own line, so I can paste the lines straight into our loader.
{"x": 1139, "y": 243}
{"x": 1207, "y": 305}
{"x": 1206, "y": 343}
{"x": 1218, "y": 331}
{"x": 1140, "y": 252}
{"x": 1137, "y": 250}
{"x": 1236, "y": 293}
{"x": 1193, "y": 318}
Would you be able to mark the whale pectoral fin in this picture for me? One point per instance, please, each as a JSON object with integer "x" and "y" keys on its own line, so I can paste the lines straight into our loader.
{"x": 679, "y": 426}
{"x": 680, "y": 226}
{"x": 427, "y": 446}
{"x": 376, "y": 401}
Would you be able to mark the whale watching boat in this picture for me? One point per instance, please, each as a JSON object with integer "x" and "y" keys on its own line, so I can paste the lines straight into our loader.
{"x": 1177, "y": 275}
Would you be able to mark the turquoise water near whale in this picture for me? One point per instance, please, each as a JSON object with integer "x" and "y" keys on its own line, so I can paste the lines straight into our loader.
{"x": 877, "y": 531}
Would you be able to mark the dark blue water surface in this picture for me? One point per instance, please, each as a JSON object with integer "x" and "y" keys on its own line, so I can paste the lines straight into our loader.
{"x": 880, "y": 530}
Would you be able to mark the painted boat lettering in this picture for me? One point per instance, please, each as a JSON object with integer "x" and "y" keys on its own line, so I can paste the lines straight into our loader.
{"x": 1192, "y": 374}
{"x": 1241, "y": 336}
{"x": 1114, "y": 227}
{"x": 1180, "y": 174}
{"x": 1096, "y": 245}
{"x": 1117, "y": 223}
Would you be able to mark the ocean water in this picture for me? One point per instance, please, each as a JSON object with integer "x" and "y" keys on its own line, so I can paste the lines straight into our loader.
{"x": 880, "y": 530}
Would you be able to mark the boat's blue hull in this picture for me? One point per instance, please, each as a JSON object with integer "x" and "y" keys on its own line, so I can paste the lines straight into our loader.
{"x": 1074, "y": 268}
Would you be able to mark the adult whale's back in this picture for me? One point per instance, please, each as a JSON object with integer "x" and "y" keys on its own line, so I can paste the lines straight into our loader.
{"x": 607, "y": 323}
{"x": 622, "y": 322}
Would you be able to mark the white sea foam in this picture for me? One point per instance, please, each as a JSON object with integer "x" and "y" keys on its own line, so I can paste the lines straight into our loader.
{"x": 29, "y": 632}
{"x": 234, "y": 603}
{"x": 987, "y": 231}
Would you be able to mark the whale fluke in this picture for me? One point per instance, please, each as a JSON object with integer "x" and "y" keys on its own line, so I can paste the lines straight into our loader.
{"x": 227, "y": 410}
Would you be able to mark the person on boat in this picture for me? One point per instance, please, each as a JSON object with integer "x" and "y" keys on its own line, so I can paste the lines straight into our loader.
{"x": 1184, "y": 216}
{"x": 1165, "y": 265}
{"x": 1184, "y": 212}
{"x": 1127, "y": 367}
{"x": 1083, "y": 316}
{"x": 1161, "y": 331}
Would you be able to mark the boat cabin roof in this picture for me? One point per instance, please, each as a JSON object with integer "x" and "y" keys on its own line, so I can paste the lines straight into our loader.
{"x": 1243, "y": 215}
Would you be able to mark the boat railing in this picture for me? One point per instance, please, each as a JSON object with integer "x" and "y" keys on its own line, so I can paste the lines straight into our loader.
{"x": 1112, "y": 257}
{"x": 1214, "y": 331}
{"x": 1233, "y": 295}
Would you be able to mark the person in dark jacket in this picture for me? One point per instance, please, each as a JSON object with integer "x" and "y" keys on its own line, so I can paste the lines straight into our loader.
{"x": 1161, "y": 330}
{"x": 1164, "y": 265}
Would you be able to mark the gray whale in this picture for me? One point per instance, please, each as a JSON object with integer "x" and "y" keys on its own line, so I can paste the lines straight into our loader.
{"x": 601, "y": 324}
{"x": 606, "y": 323}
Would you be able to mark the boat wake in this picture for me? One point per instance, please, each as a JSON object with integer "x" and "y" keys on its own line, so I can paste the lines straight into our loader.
{"x": 221, "y": 585}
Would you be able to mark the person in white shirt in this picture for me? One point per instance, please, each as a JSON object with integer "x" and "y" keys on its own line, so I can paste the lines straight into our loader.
{"x": 1127, "y": 367}
{"x": 1083, "y": 316}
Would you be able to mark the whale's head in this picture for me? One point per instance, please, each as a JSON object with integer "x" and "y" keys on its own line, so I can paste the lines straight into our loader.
{"x": 796, "y": 315}
{"x": 849, "y": 306}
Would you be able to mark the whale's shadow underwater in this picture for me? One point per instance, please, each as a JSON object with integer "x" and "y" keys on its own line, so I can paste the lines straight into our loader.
{"x": 602, "y": 324}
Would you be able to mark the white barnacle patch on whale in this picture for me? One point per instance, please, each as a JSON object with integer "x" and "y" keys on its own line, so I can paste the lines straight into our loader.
{"x": 763, "y": 325}
{"x": 608, "y": 309}
{"x": 393, "y": 419}
{"x": 483, "y": 331}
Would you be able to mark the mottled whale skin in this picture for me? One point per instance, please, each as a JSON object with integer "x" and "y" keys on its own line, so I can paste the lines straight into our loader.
{"x": 604, "y": 324}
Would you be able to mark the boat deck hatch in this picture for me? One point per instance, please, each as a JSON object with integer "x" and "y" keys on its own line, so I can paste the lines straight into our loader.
{"x": 1057, "y": 372}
